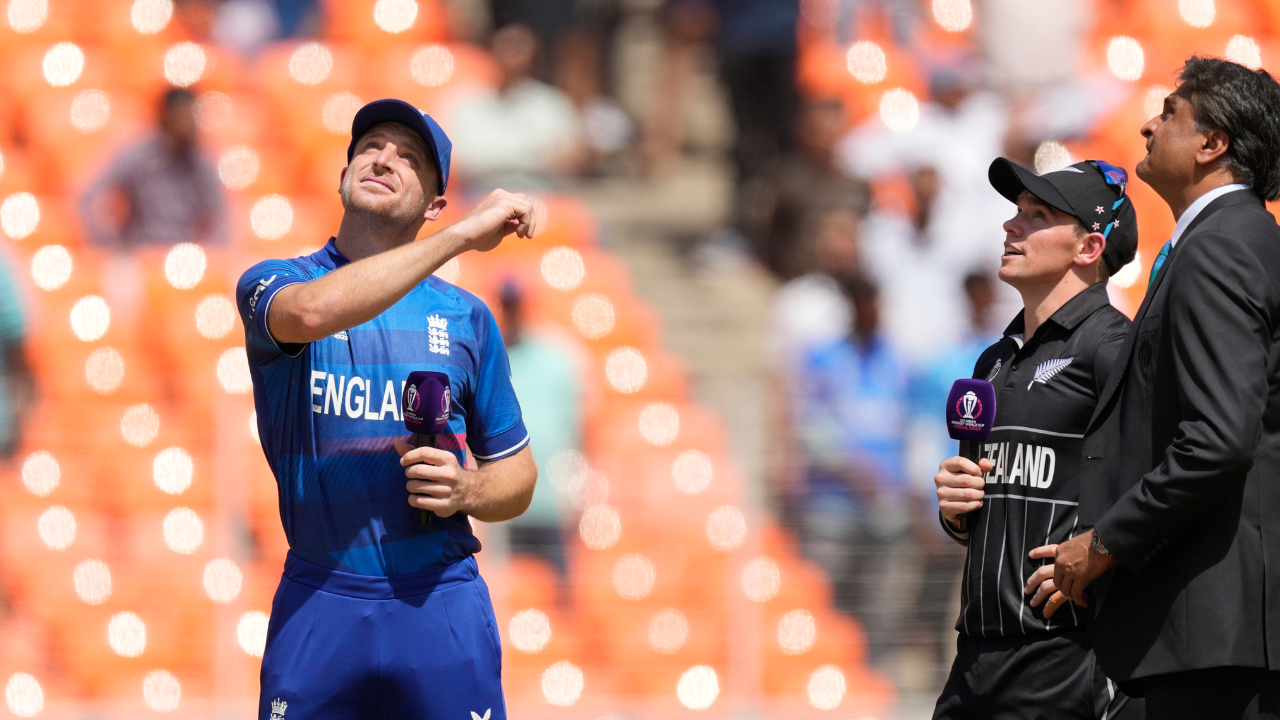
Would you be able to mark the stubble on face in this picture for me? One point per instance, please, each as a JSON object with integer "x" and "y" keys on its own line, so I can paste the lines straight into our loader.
{"x": 400, "y": 208}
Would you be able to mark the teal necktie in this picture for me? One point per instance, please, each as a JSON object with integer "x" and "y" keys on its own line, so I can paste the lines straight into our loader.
{"x": 1159, "y": 263}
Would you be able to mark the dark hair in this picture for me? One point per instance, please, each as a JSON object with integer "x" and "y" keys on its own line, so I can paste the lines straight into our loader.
{"x": 975, "y": 279}
{"x": 1244, "y": 104}
{"x": 176, "y": 97}
{"x": 857, "y": 287}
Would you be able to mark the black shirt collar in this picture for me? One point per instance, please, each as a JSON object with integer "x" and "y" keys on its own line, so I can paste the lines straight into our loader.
{"x": 1071, "y": 314}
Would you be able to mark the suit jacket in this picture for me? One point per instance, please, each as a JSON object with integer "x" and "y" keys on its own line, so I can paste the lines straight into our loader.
{"x": 1181, "y": 473}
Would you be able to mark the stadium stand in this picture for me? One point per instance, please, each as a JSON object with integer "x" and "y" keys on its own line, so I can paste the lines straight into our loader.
{"x": 140, "y": 539}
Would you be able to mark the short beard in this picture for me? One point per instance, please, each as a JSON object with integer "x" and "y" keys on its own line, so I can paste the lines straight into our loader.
{"x": 394, "y": 219}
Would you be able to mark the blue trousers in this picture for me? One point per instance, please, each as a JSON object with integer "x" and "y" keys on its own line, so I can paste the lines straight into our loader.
{"x": 422, "y": 646}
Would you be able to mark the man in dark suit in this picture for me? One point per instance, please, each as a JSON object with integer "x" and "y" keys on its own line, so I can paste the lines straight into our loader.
{"x": 1181, "y": 482}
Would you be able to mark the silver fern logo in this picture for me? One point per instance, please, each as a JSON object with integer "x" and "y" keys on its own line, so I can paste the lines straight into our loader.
{"x": 995, "y": 370}
{"x": 1047, "y": 369}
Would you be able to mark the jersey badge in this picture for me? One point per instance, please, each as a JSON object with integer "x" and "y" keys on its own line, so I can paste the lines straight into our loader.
{"x": 1046, "y": 370}
{"x": 477, "y": 716}
{"x": 341, "y": 335}
{"x": 995, "y": 370}
{"x": 278, "y": 707}
{"x": 438, "y": 335}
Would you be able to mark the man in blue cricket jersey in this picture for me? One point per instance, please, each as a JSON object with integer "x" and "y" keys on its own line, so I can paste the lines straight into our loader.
{"x": 381, "y": 612}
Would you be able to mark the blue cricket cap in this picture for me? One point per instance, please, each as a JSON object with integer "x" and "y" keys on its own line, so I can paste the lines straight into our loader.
{"x": 391, "y": 110}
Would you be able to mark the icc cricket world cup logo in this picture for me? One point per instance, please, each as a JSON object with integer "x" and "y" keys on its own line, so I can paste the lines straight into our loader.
{"x": 970, "y": 407}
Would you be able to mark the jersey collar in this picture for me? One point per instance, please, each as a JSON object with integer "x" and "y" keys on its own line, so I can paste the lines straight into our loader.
{"x": 1072, "y": 313}
{"x": 329, "y": 257}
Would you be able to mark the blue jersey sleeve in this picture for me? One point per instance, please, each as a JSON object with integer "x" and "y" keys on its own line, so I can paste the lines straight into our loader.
{"x": 495, "y": 428}
{"x": 255, "y": 291}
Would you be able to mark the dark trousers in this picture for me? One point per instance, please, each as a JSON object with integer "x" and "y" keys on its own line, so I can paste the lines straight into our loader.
{"x": 1221, "y": 693}
{"x": 1050, "y": 677}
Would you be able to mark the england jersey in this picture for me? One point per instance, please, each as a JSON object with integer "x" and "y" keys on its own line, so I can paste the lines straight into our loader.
{"x": 328, "y": 412}
{"x": 1046, "y": 389}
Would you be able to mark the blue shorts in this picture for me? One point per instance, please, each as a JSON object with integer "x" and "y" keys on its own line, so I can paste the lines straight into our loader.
{"x": 347, "y": 646}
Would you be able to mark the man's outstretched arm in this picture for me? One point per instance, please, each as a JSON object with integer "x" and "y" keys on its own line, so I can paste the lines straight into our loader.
{"x": 358, "y": 292}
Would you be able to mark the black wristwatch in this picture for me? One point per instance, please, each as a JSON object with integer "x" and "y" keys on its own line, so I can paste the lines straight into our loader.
{"x": 1096, "y": 544}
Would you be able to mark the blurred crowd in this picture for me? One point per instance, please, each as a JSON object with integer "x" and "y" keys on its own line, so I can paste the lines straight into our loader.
{"x": 870, "y": 209}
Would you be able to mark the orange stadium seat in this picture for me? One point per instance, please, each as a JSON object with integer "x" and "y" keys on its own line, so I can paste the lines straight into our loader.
{"x": 78, "y": 131}
{"x": 429, "y": 75}
{"x": 378, "y": 24}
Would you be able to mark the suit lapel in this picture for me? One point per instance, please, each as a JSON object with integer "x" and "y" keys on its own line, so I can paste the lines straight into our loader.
{"x": 1122, "y": 360}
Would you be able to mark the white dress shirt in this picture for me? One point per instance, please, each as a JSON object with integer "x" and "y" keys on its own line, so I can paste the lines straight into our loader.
{"x": 1200, "y": 203}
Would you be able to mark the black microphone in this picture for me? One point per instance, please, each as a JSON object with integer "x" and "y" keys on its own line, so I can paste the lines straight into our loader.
{"x": 426, "y": 402}
{"x": 971, "y": 408}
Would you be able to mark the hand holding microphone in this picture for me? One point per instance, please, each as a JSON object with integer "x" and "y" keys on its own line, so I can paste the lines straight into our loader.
{"x": 433, "y": 473}
{"x": 971, "y": 406}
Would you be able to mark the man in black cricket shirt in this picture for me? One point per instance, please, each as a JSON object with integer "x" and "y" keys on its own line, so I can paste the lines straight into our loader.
{"x": 1074, "y": 229}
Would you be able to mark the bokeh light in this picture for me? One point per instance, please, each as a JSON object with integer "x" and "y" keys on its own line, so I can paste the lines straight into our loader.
{"x": 183, "y": 531}
{"x": 562, "y": 684}
{"x": 19, "y": 215}
{"x": 529, "y": 630}
{"x": 1197, "y": 13}
{"x": 953, "y": 15}
{"x": 1125, "y": 58}
{"x": 93, "y": 581}
{"x": 233, "y": 371}
{"x": 899, "y": 110}
{"x": 668, "y": 631}
{"x": 432, "y": 65}
{"x": 1126, "y": 276}
{"x": 151, "y": 16}
{"x": 866, "y": 62}
{"x": 395, "y": 16}
{"x": 633, "y": 576}
{"x": 57, "y": 528}
{"x": 41, "y": 473}
{"x": 27, "y": 16}
{"x": 826, "y": 688}
{"x": 796, "y": 632}
{"x": 213, "y": 110}
{"x": 600, "y": 526}
{"x": 1153, "y": 101}
{"x": 698, "y": 687}
{"x": 104, "y": 370}
{"x": 90, "y": 110}
{"x": 593, "y": 316}
{"x": 215, "y": 316}
{"x": 271, "y": 217}
{"x": 569, "y": 474}
{"x": 251, "y": 632}
{"x": 184, "y": 266}
{"x": 90, "y": 318}
{"x": 562, "y": 268}
{"x": 51, "y": 267}
{"x": 222, "y": 580}
{"x": 626, "y": 370}
{"x": 726, "y": 528}
{"x": 253, "y": 427}
{"x": 172, "y": 470}
{"x": 311, "y": 63}
{"x": 22, "y": 693}
{"x": 1244, "y": 50}
{"x": 692, "y": 472}
{"x": 139, "y": 425}
{"x": 659, "y": 424}
{"x": 63, "y": 64}
{"x": 338, "y": 112}
{"x": 161, "y": 691}
{"x": 185, "y": 64}
{"x": 127, "y": 634}
{"x": 1051, "y": 156}
{"x": 761, "y": 579}
{"x": 238, "y": 167}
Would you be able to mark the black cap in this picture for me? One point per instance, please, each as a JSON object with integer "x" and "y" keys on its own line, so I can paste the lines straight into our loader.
{"x": 1092, "y": 191}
